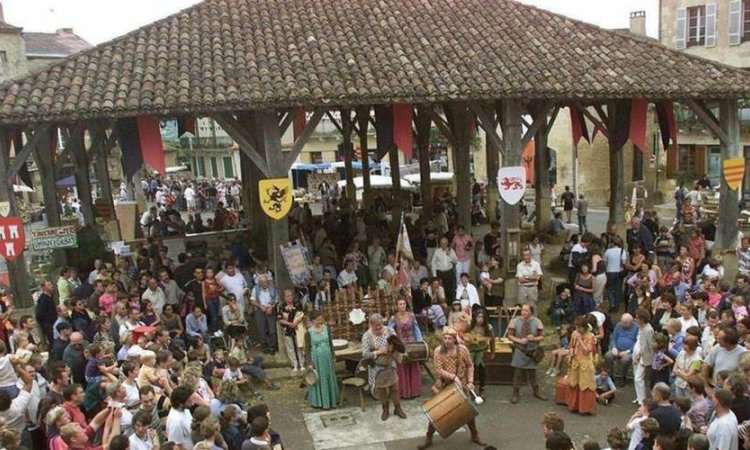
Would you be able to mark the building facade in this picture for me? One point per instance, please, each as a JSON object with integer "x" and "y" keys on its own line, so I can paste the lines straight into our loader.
{"x": 718, "y": 30}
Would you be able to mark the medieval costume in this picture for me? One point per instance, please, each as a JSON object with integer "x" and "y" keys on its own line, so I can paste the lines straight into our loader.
{"x": 381, "y": 368}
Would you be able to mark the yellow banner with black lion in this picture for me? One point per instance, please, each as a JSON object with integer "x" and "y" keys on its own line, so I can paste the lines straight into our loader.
{"x": 276, "y": 197}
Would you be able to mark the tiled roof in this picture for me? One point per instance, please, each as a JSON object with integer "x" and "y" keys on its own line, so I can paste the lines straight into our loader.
{"x": 59, "y": 44}
{"x": 248, "y": 54}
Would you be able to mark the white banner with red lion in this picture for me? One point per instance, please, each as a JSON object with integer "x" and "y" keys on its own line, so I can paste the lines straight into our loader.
{"x": 511, "y": 181}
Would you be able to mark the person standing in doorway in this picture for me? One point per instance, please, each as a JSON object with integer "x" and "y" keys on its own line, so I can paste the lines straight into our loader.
{"x": 582, "y": 208}
{"x": 568, "y": 199}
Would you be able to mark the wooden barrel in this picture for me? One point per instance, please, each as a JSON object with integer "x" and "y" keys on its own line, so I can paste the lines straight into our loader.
{"x": 449, "y": 410}
{"x": 417, "y": 351}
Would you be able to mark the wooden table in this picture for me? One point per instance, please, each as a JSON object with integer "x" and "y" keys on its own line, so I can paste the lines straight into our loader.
{"x": 353, "y": 353}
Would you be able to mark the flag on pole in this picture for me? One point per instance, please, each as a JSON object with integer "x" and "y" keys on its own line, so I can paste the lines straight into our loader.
{"x": 403, "y": 245}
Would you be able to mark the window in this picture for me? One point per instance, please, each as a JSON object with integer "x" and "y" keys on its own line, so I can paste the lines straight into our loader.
{"x": 214, "y": 168}
{"x": 696, "y": 26}
{"x": 228, "y": 167}
{"x": 201, "y": 167}
{"x": 3, "y": 57}
{"x": 686, "y": 158}
{"x": 637, "y": 164}
{"x": 316, "y": 157}
{"x": 745, "y": 20}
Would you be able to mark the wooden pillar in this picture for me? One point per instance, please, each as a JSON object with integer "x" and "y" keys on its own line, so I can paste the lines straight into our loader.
{"x": 543, "y": 201}
{"x": 268, "y": 135}
{"x": 43, "y": 157}
{"x": 423, "y": 126}
{"x": 397, "y": 208}
{"x": 347, "y": 127}
{"x": 101, "y": 169}
{"x": 615, "y": 112}
{"x": 726, "y": 229}
{"x": 81, "y": 173}
{"x": 510, "y": 214}
{"x": 459, "y": 119}
{"x": 493, "y": 165}
{"x": 363, "y": 122}
{"x": 17, "y": 273}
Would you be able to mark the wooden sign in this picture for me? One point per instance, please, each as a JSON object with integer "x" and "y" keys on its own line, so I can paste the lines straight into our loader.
{"x": 734, "y": 170}
{"x": 52, "y": 238}
{"x": 276, "y": 197}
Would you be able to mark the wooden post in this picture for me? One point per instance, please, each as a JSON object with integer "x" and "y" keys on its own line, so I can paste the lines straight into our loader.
{"x": 17, "y": 274}
{"x": 541, "y": 172}
{"x": 363, "y": 121}
{"x": 423, "y": 126}
{"x": 615, "y": 112}
{"x": 268, "y": 137}
{"x": 492, "y": 152}
{"x": 101, "y": 169}
{"x": 81, "y": 165}
{"x": 459, "y": 120}
{"x": 43, "y": 157}
{"x": 511, "y": 214}
{"x": 726, "y": 228}
{"x": 347, "y": 127}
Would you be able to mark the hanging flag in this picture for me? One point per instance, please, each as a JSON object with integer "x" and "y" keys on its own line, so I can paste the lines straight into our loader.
{"x": 276, "y": 197}
{"x": 403, "y": 244}
{"x": 383, "y": 129}
{"x": 734, "y": 170}
{"x": 638, "y": 123}
{"x": 402, "y": 135}
{"x": 152, "y": 148}
{"x": 667, "y": 124}
{"x": 300, "y": 120}
{"x": 511, "y": 181}
{"x": 621, "y": 132}
{"x": 132, "y": 158}
{"x": 12, "y": 238}
{"x": 185, "y": 125}
{"x": 578, "y": 125}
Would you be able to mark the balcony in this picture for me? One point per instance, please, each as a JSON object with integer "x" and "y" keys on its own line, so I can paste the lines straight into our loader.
{"x": 219, "y": 142}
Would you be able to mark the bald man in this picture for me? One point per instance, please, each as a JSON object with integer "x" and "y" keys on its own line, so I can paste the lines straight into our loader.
{"x": 620, "y": 354}
{"x": 74, "y": 357}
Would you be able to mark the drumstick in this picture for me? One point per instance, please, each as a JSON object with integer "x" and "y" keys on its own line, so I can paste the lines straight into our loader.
{"x": 515, "y": 311}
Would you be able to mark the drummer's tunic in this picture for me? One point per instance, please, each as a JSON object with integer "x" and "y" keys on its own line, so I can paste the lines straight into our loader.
{"x": 459, "y": 363}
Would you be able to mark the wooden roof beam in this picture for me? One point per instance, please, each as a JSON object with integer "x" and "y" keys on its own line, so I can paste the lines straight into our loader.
{"x": 303, "y": 138}
{"x": 23, "y": 155}
{"x": 595, "y": 120}
{"x": 708, "y": 118}
{"x": 488, "y": 122}
{"x": 244, "y": 137}
{"x": 539, "y": 117}
{"x": 441, "y": 123}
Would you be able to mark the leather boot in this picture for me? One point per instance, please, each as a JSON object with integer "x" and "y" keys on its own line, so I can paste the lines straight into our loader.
{"x": 386, "y": 412}
{"x": 399, "y": 412}
{"x": 538, "y": 393}
{"x": 514, "y": 396}
{"x": 427, "y": 442}
{"x": 475, "y": 439}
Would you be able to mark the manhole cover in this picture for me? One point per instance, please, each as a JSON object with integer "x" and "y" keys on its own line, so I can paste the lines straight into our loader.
{"x": 338, "y": 420}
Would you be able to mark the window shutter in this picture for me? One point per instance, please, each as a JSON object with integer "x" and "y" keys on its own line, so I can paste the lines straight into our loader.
{"x": 681, "y": 30}
{"x": 735, "y": 22}
{"x": 711, "y": 25}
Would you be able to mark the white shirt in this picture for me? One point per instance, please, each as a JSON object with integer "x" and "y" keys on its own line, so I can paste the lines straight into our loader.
{"x": 472, "y": 297}
{"x": 15, "y": 416}
{"x": 264, "y": 297}
{"x": 614, "y": 259}
{"x": 722, "y": 433}
{"x": 37, "y": 391}
{"x": 443, "y": 260}
{"x": 189, "y": 194}
{"x": 237, "y": 285}
{"x": 179, "y": 427}
{"x": 578, "y": 248}
{"x": 157, "y": 298}
{"x": 530, "y": 269}
{"x": 137, "y": 443}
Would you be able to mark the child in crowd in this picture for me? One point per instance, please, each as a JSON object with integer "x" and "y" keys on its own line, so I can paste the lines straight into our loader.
{"x": 212, "y": 296}
{"x": 683, "y": 404}
{"x": 436, "y": 316}
{"x": 560, "y": 309}
{"x": 662, "y": 364}
{"x": 456, "y": 313}
{"x": 233, "y": 372}
{"x": 605, "y": 387}
{"x": 97, "y": 372}
{"x": 738, "y": 308}
{"x": 561, "y": 352}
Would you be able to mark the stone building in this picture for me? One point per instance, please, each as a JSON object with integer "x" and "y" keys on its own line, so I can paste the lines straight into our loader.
{"x": 718, "y": 30}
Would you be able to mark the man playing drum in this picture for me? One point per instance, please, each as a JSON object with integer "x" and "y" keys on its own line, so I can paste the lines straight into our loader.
{"x": 453, "y": 365}
{"x": 381, "y": 372}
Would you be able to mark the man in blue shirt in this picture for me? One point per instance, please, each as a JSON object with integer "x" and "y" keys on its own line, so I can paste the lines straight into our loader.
{"x": 620, "y": 354}
{"x": 679, "y": 286}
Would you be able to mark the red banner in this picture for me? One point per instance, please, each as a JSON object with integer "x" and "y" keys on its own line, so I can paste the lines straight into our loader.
{"x": 402, "y": 135}
{"x": 300, "y": 120}
{"x": 638, "y": 123}
{"x": 152, "y": 149}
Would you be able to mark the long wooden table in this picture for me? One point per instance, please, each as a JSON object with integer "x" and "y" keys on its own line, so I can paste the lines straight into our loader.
{"x": 353, "y": 353}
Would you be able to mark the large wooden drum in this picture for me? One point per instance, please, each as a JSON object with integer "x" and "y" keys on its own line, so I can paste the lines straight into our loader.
{"x": 449, "y": 410}
{"x": 417, "y": 351}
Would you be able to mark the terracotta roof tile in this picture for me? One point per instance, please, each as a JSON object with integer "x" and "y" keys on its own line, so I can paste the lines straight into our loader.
{"x": 249, "y": 54}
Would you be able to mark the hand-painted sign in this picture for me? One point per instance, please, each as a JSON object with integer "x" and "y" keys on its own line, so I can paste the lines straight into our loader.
{"x": 12, "y": 238}
{"x": 297, "y": 262}
{"x": 276, "y": 197}
{"x": 511, "y": 181}
{"x": 57, "y": 237}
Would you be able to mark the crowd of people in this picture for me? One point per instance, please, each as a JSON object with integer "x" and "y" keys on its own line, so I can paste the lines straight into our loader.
{"x": 146, "y": 352}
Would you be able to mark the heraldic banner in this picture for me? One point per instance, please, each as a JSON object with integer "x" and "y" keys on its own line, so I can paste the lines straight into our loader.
{"x": 276, "y": 197}
{"x": 511, "y": 182}
{"x": 734, "y": 170}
